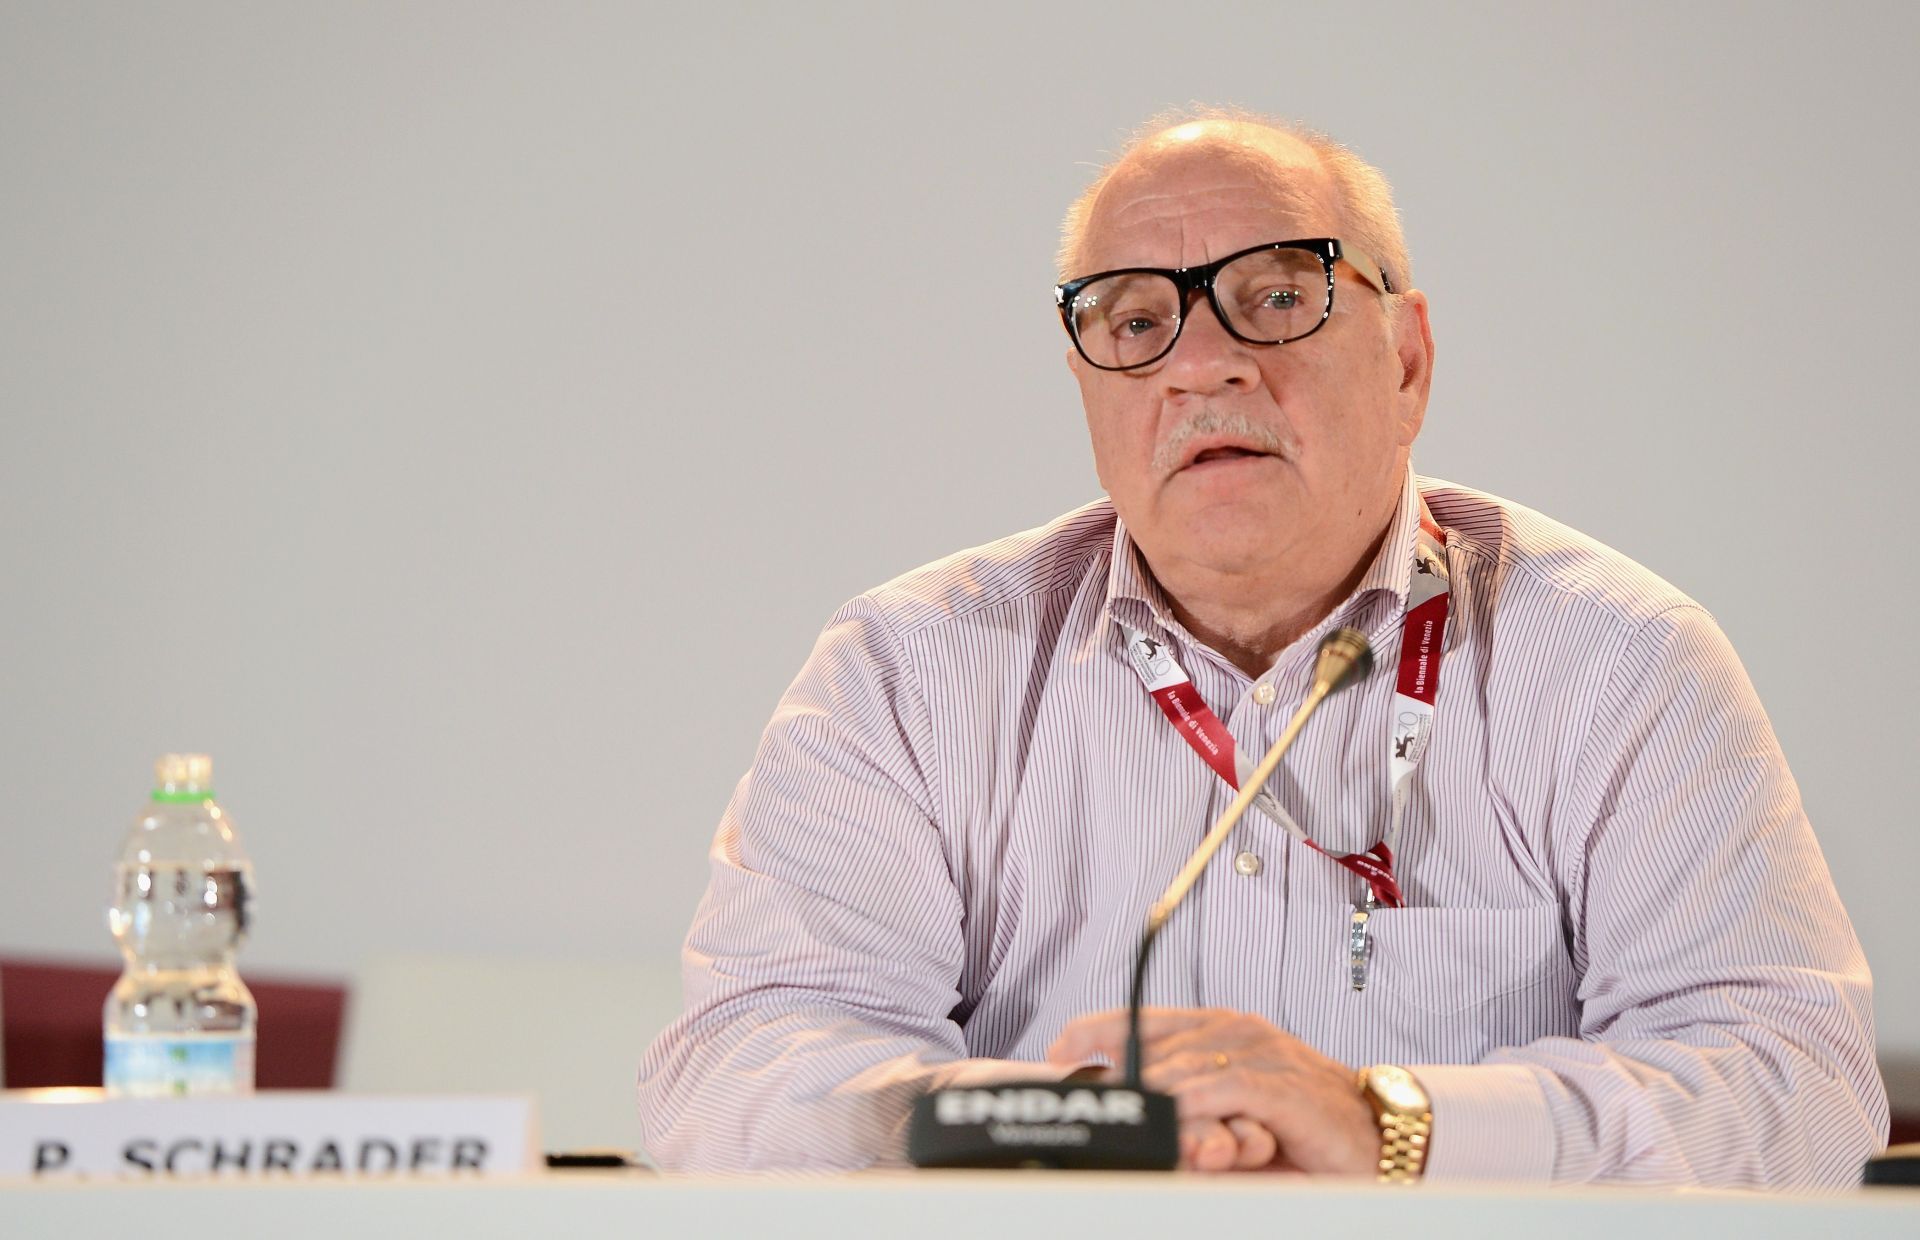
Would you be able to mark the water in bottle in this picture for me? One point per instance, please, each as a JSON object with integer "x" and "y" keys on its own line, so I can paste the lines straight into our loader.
{"x": 180, "y": 1023}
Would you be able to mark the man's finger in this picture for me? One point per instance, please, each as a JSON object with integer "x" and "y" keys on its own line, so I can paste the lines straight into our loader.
{"x": 1085, "y": 1036}
{"x": 1208, "y": 1145}
{"x": 1239, "y": 1040}
{"x": 1258, "y": 1147}
{"x": 1209, "y": 1096}
{"x": 1164, "y": 1072}
{"x": 1106, "y": 1032}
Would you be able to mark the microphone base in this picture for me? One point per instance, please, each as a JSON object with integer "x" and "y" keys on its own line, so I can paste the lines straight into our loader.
{"x": 1073, "y": 1125}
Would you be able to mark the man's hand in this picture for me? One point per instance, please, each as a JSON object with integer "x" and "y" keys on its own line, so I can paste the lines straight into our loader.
{"x": 1250, "y": 1095}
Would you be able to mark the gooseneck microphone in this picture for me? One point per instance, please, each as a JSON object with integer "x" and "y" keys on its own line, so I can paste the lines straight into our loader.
{"x": 1344, "y": 659}
{"x": 1093, "y": 1125}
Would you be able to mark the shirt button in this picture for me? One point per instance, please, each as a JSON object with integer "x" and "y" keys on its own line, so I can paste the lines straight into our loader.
{"x": 1247, "y": 863}
{"x": 1263, "y": 694}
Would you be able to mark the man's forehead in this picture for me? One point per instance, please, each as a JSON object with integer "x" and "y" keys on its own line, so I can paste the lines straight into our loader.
{"x": 1207, "y": 190}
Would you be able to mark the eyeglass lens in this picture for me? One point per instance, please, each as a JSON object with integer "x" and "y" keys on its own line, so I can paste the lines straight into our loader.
{"x": 1269, "y": 296}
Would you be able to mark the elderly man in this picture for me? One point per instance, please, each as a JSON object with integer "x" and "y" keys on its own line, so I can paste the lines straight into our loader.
{"x": 1540, "y": 891}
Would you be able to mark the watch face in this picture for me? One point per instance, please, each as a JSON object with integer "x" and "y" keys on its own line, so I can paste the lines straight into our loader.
{"x": 1396, "y": 1087}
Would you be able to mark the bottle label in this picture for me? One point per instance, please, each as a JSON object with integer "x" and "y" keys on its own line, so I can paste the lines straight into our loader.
{"x": 178, "y": 1065}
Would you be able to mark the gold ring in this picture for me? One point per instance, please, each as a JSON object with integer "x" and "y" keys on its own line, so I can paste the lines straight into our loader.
{"x": 1220, "y": 1060}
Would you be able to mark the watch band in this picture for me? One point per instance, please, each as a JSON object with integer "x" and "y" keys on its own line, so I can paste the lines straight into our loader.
{"x": 1405, "y": 1128}
{"x": 1403, "y": 1146}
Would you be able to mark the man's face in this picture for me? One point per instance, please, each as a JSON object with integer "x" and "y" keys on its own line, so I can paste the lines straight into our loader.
{"x": 1225, "y": 456}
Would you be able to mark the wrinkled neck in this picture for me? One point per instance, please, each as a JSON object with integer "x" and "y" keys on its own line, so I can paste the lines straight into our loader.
{"x": 1249, "y": 616}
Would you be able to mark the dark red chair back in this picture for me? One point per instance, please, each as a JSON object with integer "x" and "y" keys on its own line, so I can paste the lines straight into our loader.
{"x": 52, "y": 1026}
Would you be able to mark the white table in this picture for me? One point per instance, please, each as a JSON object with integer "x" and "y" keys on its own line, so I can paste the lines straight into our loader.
{"x": 927, "y": 1206}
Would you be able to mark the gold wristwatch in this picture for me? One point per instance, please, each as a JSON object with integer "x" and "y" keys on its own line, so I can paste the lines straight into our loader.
{"x": 1405, "y": 1117}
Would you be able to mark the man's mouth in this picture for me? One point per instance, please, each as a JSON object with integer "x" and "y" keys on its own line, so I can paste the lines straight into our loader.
{"x": 1213, "y": 440}
{"x": 1224, "y": 454}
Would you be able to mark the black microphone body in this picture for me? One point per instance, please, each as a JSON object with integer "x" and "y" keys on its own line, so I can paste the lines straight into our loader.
{"x": 1095, "y": 1125}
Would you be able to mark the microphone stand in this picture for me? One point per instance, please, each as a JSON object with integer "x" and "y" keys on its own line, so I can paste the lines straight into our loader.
{"x": 1083, "y": 1124}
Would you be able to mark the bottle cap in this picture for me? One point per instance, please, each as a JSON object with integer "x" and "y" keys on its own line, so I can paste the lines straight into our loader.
{"x": 183, "y": 777}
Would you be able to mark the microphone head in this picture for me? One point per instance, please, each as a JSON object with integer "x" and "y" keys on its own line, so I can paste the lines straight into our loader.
{"x": 1345, "y": 658}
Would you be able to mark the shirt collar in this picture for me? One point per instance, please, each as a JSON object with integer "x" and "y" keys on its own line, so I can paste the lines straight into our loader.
{"x": 1132, "y": 590}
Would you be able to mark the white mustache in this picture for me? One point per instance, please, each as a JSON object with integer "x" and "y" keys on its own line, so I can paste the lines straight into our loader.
{"x": 1209, "y": 421}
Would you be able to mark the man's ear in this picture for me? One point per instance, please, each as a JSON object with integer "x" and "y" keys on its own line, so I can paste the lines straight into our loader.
{"x": 1413, "y": 350}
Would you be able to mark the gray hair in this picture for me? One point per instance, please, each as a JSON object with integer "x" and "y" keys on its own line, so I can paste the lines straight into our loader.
{"x": 1369, "y": 221}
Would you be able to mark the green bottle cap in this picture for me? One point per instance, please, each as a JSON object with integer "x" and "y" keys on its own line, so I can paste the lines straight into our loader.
{"x": 183, "y": 779}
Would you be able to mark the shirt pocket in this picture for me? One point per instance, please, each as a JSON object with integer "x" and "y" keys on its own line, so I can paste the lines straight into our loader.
{"x": 1453, "y": 984}
{"x": 1450, "y": 960}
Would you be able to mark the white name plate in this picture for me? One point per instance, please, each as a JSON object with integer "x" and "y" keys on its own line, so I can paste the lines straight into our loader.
{"x": 79, "y": 1134}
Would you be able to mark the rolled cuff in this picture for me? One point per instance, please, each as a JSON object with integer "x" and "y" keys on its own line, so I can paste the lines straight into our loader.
{"x": 1490, "y": 1122}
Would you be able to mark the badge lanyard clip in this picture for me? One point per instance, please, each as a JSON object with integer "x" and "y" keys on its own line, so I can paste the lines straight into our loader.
{"x": 1359, "y": 946}
{"x": 1359, "y": 928}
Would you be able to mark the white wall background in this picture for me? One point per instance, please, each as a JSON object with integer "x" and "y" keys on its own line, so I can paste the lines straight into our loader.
{"x": 459, "y": 418}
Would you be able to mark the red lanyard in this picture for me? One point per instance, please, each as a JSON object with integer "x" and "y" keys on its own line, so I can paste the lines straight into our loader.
{"x": 1422, "y": 642}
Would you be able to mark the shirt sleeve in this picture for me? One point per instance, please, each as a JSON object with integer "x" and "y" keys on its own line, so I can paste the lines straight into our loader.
{"x": 824, "y": 960}
{"x": 1727, "y": 1018}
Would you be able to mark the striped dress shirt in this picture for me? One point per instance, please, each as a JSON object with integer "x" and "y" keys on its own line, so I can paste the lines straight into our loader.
{"x": 1621, "y": 956}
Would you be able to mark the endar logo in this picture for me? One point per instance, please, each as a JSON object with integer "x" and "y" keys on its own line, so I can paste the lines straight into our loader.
{"x": 1039, "y": 1106}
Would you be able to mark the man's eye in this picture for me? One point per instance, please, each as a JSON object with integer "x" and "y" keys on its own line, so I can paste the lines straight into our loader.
{"x": 1134, "y": 324}
{"x": 1280, "y": 299}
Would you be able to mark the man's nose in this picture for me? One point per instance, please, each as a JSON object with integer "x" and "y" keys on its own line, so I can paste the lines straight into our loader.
{"x": 1207, "y": 358}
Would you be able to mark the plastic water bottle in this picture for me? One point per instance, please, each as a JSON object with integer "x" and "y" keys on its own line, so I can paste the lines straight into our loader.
{"x": 180, "y": 1023}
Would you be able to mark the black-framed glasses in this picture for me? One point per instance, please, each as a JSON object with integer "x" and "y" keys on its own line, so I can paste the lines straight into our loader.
{"x": 1270, "y": 294}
